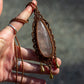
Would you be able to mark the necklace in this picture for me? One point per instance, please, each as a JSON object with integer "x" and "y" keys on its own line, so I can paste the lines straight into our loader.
{"x": 43, "y": 41}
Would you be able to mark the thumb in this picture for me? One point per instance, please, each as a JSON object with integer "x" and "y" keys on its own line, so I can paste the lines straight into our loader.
{"x": 1, "y": 6}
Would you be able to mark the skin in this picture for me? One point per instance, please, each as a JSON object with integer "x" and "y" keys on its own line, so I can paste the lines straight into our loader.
{"x": 1, "y": 6}
{"x": 7, "y": 54}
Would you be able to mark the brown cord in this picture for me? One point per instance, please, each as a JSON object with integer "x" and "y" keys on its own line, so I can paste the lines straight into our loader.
{"x": 19, "y": 20}
{"x": 16, "y": 61}
{"x": 21, "y": 57}
{"x": 32, "y": 5}
{"x": 18, "y": 54}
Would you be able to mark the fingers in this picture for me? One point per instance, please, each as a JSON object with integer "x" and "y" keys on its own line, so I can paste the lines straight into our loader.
{"x": 26, "y": 79}
{"x": 36, "y": 68}
{"x": 28, "y": 54}
{"x": 25, "y": 14}
{"x": 1, "y": 6}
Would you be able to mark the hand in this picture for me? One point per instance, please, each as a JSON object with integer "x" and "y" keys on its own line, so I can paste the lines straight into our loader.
{"x": 7, "y": 55}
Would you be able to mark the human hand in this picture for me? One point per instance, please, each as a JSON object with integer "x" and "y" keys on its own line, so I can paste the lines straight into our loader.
{"x": 7, "y": 55}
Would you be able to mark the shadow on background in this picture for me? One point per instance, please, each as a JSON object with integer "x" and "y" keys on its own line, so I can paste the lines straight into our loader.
{"x": 66, "y": 18}
{"x": 71, "y": 74}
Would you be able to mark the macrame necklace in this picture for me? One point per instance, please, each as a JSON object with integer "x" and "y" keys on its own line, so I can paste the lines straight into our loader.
{"x": 43, "y": 40}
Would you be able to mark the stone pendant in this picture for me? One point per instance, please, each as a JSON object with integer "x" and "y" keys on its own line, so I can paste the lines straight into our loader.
{"x": 44, "y": 43}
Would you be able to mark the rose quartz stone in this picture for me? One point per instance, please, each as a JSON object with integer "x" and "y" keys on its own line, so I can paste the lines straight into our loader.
{"x": 43, "y": 39}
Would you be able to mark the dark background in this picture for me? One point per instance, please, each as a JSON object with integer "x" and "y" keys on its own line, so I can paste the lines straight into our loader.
{"x": 66, "y": 18}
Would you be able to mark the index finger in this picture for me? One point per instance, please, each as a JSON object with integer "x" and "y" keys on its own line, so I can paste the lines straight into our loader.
{"x": 25, "y": 14}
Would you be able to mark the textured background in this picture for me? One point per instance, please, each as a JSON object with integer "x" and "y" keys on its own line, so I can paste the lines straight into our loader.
{"x": 66, "y": 18}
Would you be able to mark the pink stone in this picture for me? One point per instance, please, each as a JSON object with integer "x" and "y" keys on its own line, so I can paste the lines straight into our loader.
{"x": 43, "y": 40}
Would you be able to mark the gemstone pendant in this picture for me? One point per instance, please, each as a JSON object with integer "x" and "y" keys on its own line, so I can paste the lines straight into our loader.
{"x": 44, "y": 43}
